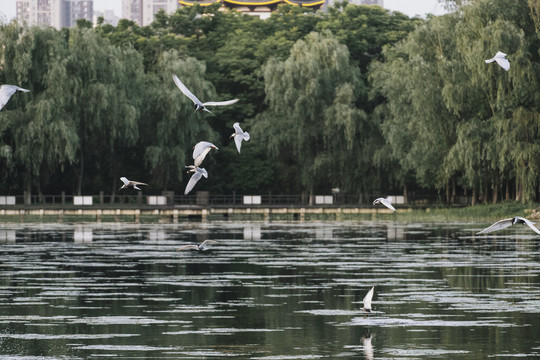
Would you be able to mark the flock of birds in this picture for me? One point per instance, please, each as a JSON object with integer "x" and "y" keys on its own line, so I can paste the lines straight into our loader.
{"x": 202, "y": 148}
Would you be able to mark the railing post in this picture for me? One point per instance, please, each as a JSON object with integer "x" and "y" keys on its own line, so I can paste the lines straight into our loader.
{"x": 101, "y": 198}
{"x": 63, "y": 196}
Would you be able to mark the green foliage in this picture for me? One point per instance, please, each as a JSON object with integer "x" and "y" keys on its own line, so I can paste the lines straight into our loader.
{"x": 356, "y": 97}
{"x": 311, "y": 114}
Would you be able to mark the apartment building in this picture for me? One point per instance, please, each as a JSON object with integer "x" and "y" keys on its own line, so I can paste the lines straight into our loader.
{"x": 56, "y": 13}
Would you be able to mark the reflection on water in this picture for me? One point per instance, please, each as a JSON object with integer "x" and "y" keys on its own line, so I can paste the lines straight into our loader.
{"x": 268, "y": 291}
{"x": 82, "y": 234}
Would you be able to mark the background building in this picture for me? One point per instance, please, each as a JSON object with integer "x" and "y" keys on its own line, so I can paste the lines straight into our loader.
{"x": 108, "y": 15}
{"x": 151, "y": 7}
{"x": 142, "y": 11}
{"x": 132, "y": 10}
{"x": 56, "y": 13}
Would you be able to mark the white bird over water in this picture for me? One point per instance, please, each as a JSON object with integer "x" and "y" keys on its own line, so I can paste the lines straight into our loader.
{"x": 129, "y": 183}
{"x": 239, "y": 135}
{"x": 6, "y": 91}
{"x": 198, "y": 173}
{"x": 501, "y": 59}
{"x": 201, "y": 247}
{"x": 199, "y": 106}
{"x": 200, "y": 150}
{"x": 367, "y": 300}
{"x": 385, "y": 201}
{"x": 504, "y": 223}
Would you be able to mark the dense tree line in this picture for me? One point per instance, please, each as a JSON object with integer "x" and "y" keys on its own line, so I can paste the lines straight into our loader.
{"x": 356, "y": 98}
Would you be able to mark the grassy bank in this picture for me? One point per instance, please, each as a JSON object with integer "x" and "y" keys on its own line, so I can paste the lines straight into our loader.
{"x": 477, "y": 212}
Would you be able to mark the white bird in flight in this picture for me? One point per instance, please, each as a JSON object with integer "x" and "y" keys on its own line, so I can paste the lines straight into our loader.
{"x": 198, "y": 173}
{"x": 501, "y": 59}
{"x": 129, "y": 183}
{"x": 367, "y": 300}
{"x": 6, "y": 91}
{"x": 199, "y": 106}
{"x": 504, "y": 223}
{"x": 239, "y": 135}
{"x": 385, "y": 201}
{"x": 200, "y": 150}
{"x": 201, "y": 247}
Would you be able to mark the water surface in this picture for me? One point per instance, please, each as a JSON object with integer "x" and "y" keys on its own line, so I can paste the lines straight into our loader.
{"x": 268, "y": 291}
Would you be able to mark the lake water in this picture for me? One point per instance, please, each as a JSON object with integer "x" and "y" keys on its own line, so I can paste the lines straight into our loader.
{"x": 268, "y": 291}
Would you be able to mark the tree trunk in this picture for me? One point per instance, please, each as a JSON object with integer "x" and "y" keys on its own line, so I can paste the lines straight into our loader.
{"x": 518, "y": 190}
{"x": 485, "y": 194}
{"x": 405, "y": 192}
{"x": 473, "y": 201}
{"x": 79, "y": 188}
{"x": 495, "y": 197}
{"x": 28, "y": 193}
{"x": 507, "y": 195}
{"x": 453, "y": 198}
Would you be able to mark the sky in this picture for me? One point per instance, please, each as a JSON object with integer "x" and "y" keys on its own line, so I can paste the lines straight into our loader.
{"x": 409, "y": 7}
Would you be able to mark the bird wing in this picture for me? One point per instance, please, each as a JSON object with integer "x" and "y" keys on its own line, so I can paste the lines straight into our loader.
{"x": 220, "y": 103}
{"x": 238, "y": 142}
{"x": 501, "y": 224}
{"x": 138, "y": 183}
{"x": 208, "y": 242}
{"x": 124, "y": 180}
{"x": 503, "y": 62}
{"x": 200, "y": 150}
{"x": 205, "y": 243}
{"x": 5, "y": 93}
{"x": 188, "y": 247}
{"x": 185, "y": 90}
{"x": 368, "y": 297}
{"x": 246, "y": 136}
{"x": 529, "y": 224}
{"x": 192, "y": 181}
{"x": 386, "y": 202}
{"x": 199, "y": 172}
{"x": 237, "y": 128}
{"x": 199, "y": 159}
{"x": 203, "y": 172}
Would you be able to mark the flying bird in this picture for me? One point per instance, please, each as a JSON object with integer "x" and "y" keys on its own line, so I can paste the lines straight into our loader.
{"x": 367, "y": 300}
{"x": 197, "y": 174}
{"x": 129, "y": 183}
{"x": 504, "y": 223}
{"x": 501, "y": 59}
{"x": 6, "y": 91}
{"x": 200, "y": 150}
{"x": 385, "y": 201}
{"x": 201, "y": 247}
{"x": 239, "y": 135}
{"x": 199, "y": 106}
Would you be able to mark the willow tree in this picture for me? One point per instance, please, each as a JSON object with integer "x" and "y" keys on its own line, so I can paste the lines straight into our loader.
{"x": 42, "y": 139}
{"x": 448, "y": 107}
{"x": 418, "y": 127}
{"x": 312, "y": 124}
{"x": 97, "y": 87}
{"x": 498, "y": 104}
{"x": 170, "y": 124}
